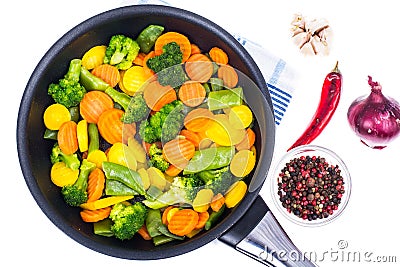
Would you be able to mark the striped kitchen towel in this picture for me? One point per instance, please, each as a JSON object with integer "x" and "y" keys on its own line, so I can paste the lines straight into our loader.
{"x": 279, "y": 76}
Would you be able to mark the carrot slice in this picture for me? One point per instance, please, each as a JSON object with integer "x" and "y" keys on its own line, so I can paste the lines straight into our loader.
{"x": 149, "y": 72}
{"x": 248, "y": 140}
{"x": 157, "y": 96}
{"x": 203, "y": 218}
{"x": 178, "y": 152}
{"x": 93, "y": 104}
{"x": 95, "y": 187}
{"x": 218, "y": 55}
{"x": 191, "y": 136}
{"x": 217, "y": 202}
{"x": 199, "y": 68}
{"x": 197, "y": 120}
{"x": 108, "y": 73}
{"x": 176, "y": 37}
{"x": 195, "y": 49}
{"x": 112, "y": 129}
{"x": 192, "y": 94}
{"x": 183, "y": 222}
{"x": 229, "y": 75}
{"x": 172, "y": 170}
{"x": 144, "y": 233}
{"x": 139, "y": 59}
{"x": 95, "y": 215}
{"x": 67, "y": 137}
{"x": 165, "y": 214}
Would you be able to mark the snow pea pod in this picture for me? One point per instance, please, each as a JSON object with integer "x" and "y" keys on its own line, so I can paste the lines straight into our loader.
{"x": 128, "y": 177}
{"x": 210, "y": 159}
{"x": 148, "y": 37}
{"x": 153, "y": 221}
{"x": 225, "y": 98}
{"x": 116, "y": 188}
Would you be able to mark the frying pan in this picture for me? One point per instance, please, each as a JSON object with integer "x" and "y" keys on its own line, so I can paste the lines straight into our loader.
{"x": 250, "y": 227}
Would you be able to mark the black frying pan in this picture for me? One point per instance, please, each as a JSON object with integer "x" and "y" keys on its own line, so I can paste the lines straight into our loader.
{"x": 236, "y": 227}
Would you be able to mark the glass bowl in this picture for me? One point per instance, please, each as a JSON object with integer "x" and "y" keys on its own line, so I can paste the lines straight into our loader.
{"x": 311, "y": 185}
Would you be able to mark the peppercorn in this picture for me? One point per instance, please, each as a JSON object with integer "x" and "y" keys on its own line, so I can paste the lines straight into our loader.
{"x": 310, "y": 187}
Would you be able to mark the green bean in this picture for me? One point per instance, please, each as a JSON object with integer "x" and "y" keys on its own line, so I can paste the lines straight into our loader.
{"x": 214, "y": 216}
{"x": 93, "y": 133}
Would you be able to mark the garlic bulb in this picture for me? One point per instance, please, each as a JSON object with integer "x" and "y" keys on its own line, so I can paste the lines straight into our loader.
{"x": 312, "y": 36}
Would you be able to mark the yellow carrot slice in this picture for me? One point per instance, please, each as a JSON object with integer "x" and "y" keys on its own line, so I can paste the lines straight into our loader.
{"x": 83, "y": 136}
{"x": 104, "y": 202}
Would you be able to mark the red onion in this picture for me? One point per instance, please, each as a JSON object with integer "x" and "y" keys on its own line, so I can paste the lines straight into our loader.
{"x": 375, "y": 118}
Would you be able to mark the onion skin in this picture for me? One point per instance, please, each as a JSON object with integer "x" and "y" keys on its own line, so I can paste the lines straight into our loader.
{"x": 375, "y": 118}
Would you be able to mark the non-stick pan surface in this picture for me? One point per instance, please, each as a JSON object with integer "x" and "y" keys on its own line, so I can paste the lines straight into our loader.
{"x": 33, "y": 150}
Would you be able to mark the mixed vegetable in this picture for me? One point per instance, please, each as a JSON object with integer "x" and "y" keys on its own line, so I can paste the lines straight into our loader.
{"x": 151, "y": 136}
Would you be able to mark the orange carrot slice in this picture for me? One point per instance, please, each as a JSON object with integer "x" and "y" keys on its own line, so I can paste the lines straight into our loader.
{"x": 96, "y": 181}
{"x": 191, "y": 136}
{"x": 149, "y": 72}
{"x": 183, "y": 222}
{"x": 165, "y": 214}
{"x": 172, "y": 170}
{"x": 178, "y": 152}
{"x": 108, "y": 73}
{"x": 157, "y": 96}
{"x": 203, "y": 218}
{"x": 192, "y": 94}
{"x": 95, "y": 215}
{"x": 218, "y": 55}
{"x": 199, "y": 68}
{"x": 67, "y": 137}
{"x": 139, "y": 59}
{"x": 217, "y": 202}
{"x": 248, "y": 140}
{"x": 144, "y": 233}
{"x": 229, "y": 75}
{"x": 93, "y": 104}
{"x": 112, "y": 129}
{"x": 195, "y": 49}
{"x": 176, "y": 37}
{"x": 197, "y": 120}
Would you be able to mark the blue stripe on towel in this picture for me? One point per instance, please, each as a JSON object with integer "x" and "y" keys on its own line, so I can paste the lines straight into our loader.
{"x": 282, "y": 92}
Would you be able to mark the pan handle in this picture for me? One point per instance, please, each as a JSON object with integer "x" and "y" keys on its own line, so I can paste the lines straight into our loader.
{"x": 259, "y": 235}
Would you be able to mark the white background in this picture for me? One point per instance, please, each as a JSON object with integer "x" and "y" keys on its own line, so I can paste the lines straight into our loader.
{"x": 365, "y": 43}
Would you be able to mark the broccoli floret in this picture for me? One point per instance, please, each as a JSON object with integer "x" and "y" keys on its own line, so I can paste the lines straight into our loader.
{"x": 164, "y": 125}
{"x": 68, "y": 91}
{"x": 75, "y": 195}
{"x": 188, "y": 186}
{"x": 135, "y": 107}
{"x": 71, "y": 161}
{"x": 182, "y": 191}
{"x": 218, "y": 180}
{"x": 168, "y": 65}
{"x": 127, "y": 219}
{"x": 156, "y": 158}
{"x": 174, "y": 76}
{"x": 121, "y": 51}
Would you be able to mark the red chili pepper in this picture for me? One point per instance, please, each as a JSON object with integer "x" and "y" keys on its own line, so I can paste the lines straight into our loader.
{"x": 330, "y": 96}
